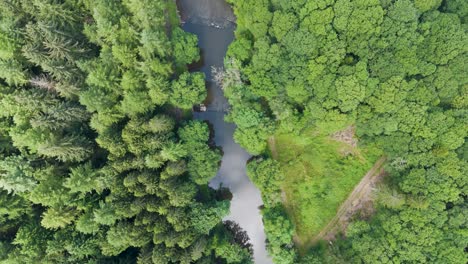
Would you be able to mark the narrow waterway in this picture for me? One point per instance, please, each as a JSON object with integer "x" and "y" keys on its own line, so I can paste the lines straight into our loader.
{"x": 212, "y": 21}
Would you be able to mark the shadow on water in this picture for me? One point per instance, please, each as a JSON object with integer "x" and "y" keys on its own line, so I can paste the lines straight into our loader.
{"x": 216, "y": 13}
{"x": 212, "y": 21}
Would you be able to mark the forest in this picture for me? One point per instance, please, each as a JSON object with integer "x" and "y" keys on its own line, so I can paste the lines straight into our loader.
{"x": 299, "y": 72}
{"x": 98, "y": 165}
{"x": 101, "y": 162}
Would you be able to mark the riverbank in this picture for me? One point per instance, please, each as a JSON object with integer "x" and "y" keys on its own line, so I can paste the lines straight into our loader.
{"x": 212, "y": 22}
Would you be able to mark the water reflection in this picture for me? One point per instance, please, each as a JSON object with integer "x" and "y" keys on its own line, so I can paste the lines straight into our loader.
{"x": 200, "y": 16}
{"x": 215, "y": 13}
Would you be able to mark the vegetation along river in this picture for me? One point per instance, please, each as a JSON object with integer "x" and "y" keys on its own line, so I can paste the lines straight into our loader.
{"x": 213, "y": 22}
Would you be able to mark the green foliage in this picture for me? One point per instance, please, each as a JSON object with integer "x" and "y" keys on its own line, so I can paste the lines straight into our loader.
{"x": 319, "y": 176}
{"x": 426, "y": 5}
{"x": 161, "y": 124}
{"x": 408, "y": 228}
{"x": 132, "y": 185}
{"x": 185, "y": 47}
{"x": 188, "y": 90}
{"x": 13, "y": 210}
{"x": 267, "y": 176}
{"x": 194, "y": 133}
{"x": 395, "y": 70}
{"x": 16, "y": 175}
{"x": 205, "y": 220}
{"x": 254, "y": 127}
{"x": 71, "y": 148}
{"x": 203, "y": 161}
{"x": 231, "y": 252}
{"x": 84, "y": 179}
{"x": 58, "y": 217}
{"x": 458, "y": 7}
{"x": 282, "y": 23}
{"x": 279, "y": 231}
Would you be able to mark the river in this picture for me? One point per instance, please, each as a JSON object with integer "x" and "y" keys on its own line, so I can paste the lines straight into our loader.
{"x": 212, "y": 21}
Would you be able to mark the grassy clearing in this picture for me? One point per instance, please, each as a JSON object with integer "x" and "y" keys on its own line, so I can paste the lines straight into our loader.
{"x": 319, "y": 178}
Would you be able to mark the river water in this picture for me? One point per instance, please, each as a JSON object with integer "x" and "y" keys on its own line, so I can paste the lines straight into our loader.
{"x": 212, "y": 21}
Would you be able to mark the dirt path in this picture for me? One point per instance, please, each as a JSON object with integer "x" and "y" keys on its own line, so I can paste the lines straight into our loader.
{"x": 356, "y": 201}
{"x": 272, "y": 145}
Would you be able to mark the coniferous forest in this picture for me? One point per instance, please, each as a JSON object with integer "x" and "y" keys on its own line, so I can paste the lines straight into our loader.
{"x": 101, "y": 161}
{"x": 96, "y": 167}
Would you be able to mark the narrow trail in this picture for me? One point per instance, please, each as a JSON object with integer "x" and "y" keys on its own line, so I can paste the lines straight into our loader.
{"x": 272, "y": 146}
{"x": 361, "y": 194}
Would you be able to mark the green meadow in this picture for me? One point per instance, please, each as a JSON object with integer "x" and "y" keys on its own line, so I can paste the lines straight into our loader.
{"x": 319, "y": 175}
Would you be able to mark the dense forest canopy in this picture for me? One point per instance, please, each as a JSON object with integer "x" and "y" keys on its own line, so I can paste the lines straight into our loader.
{"x": 394, "y": 69}
{"x": 95, "y": 168}
{"x": 100, "y": 164}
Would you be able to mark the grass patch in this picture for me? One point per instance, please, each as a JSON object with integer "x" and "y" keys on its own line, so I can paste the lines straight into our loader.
{"x": 173, "y": 16}
{"x": 319, "y": 178}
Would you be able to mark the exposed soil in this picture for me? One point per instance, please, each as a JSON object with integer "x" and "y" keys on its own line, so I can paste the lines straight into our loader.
{"x": 346, "y": 136}
{"x": 360, "y": 200}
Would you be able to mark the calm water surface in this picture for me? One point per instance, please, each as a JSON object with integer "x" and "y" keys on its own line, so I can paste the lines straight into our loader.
{"x": 212, "y": 22}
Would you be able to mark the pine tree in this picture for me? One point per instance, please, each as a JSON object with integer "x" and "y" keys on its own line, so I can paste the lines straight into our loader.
{"x": 16, "y": 175}
{"x": 59, "y": 116}
{"x": 160, "y": 124}
{"x": 68, "y": 148}
{"x": 14, "y": 210}
{"x": 58, "y": 217}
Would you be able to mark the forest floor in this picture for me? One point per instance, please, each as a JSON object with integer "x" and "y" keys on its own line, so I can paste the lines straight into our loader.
{"x": 321, "y": 172}
{"x": 360, "y": 200}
